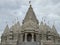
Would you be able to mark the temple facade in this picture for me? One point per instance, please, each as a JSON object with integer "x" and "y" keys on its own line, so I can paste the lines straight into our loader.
{"x": 30, "y": 32}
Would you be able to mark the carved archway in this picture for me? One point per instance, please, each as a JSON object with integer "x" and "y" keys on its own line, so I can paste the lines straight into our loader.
{"x": 34, "y": 37}
{"x": 29, "y": 37}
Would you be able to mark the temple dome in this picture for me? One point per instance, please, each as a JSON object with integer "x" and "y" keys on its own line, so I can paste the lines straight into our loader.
{"x": 30, "y": 15}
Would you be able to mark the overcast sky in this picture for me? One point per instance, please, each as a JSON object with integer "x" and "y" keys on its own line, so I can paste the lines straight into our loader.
{"x": 11, "y": 9}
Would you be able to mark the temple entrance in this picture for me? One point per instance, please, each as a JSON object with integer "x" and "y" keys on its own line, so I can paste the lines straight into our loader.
{"x": 29, "y": 37}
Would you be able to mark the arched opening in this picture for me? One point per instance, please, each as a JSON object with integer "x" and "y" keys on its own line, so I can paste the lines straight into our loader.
{"x": 29, "y": 37}
{"x": 24, "y": 37}
{"x": 34, "y": 37}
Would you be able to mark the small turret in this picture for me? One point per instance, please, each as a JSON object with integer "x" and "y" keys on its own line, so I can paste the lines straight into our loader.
{"x": 54, "y": 29}
{"x": 16, "y": 27}
{"x": 41, "y": 25}
{"x": 6, "y": 29}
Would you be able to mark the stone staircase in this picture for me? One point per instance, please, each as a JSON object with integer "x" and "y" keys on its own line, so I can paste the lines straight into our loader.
{"x": 29, "y": 43}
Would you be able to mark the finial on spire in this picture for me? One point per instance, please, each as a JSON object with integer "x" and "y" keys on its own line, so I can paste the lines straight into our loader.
{"x": 30, "y": 2}
{"x": 43, "y": 19}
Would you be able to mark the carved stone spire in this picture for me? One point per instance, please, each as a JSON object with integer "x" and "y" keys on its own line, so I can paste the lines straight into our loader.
{"x": 6, "y": 29}
{"x": 30, "y": 15}
{"x": 54, "y": 29}
{"x": 30, "y": 2}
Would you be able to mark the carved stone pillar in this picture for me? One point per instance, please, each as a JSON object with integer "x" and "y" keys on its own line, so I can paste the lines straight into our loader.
{"x": 25, "y": 37}
{"x": 21, "y": 37}
{"x": 32, "y": 37}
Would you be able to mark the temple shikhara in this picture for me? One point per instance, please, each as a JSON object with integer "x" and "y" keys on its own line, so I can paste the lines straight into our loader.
{"x": 30, "y": 32}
